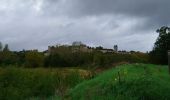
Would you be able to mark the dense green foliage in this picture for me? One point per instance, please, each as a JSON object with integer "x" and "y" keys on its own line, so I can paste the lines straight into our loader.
{"x": 162, "y": 45}
{"x": 126, "y": 82}
{"x": 68, "y": 59}
{"x": 64, "y": 56}
{"x": 95, "y": 58}
{"x": 34, "y": 59}
{"x": 22, "y": 83}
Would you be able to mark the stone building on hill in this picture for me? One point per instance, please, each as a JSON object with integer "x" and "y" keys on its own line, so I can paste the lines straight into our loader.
{"x": 78, "y": 46}
{"x": 75, "y": 47}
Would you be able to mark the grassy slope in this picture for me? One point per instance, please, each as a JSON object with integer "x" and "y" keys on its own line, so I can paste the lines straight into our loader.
{"x": 137, "y": 82}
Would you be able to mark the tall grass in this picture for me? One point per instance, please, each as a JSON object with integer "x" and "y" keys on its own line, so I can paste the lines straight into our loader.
{"x": 21, "y": 83}
{"x": 125, "y": 82}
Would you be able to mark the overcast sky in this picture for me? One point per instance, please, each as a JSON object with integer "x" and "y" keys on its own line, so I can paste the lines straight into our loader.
{"x": 131, "y": 24}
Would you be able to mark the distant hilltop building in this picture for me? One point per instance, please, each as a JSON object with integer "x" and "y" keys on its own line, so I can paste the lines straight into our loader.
{"x": 78, "y": 43}
{"x": 78, "y": 46}
{"x": 105, "y": 50}
{"x": 115, "y": 48}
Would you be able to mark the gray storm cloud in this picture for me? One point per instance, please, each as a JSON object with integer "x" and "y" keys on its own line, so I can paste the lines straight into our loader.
{"x": 34, "y": 24}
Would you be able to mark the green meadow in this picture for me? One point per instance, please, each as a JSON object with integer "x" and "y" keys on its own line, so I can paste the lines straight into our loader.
{"x": 124, "y": 82}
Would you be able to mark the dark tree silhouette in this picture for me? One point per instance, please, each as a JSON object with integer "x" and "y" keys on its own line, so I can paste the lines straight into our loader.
{"x": 6, "y": 48}
{"x": 162, "y": 45}
{"x": 1, "y": 46}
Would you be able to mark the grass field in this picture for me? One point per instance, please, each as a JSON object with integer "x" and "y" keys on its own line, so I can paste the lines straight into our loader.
{"x": 41, "y": 83}
{"x": 125, "y": 82}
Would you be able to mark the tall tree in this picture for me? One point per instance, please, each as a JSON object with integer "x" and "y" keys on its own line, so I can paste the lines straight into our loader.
{"x": 6, "y": 48}
{"x": 1, "y": 46}
{"x": 162, "y": 45}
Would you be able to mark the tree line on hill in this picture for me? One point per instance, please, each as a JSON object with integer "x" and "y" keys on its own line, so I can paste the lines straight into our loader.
{"x": 65, "y": 58}
{"x": 33, "y": 59}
